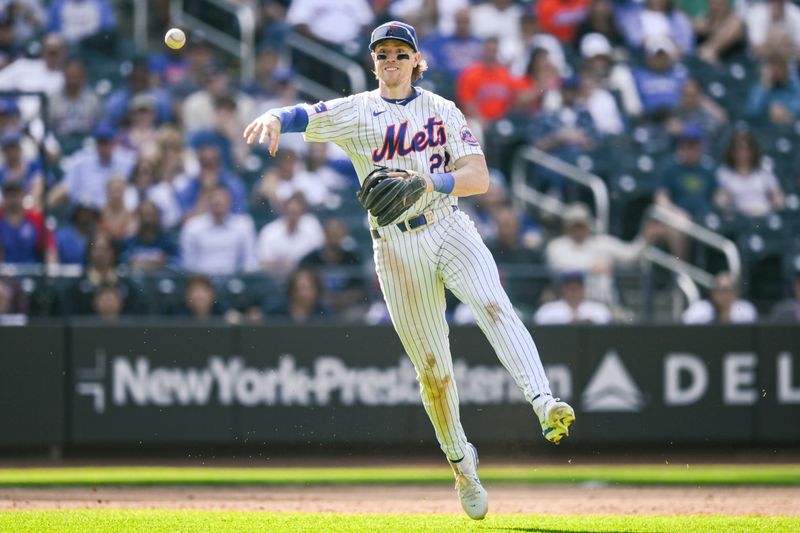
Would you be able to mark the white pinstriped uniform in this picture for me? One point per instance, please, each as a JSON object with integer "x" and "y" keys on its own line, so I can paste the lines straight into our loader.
{"x": 428, "y": 134}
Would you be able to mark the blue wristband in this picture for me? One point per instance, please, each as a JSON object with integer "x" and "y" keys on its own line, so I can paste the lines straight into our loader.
{"x": 443, "y": 183}
{"x": 294, "y": 119}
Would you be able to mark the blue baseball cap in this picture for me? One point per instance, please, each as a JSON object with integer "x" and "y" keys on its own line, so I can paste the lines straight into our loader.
{"x": 9, "y": 106}
{"x": 394, "y": 30}
{"x": 10, "y": 137}
{"x": 691, "y": 132}
{"x": 572, "y": 275}
{"x": 104, "y": 132}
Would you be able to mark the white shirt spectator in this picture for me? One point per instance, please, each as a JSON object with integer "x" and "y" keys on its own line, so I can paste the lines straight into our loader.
{"x": 218, "y": 249}
{"x": 703, "y": 312}
{"x": 284, "y": 250}
{"x": 488, "y": 21}
{"x": 165, "y": 195}
{"x": 85, "y": 176}
{"x": 559, "y": 312}
{"x": 597, "y": 256}
{"x": 445, "y": 11}
{"x": 336, "y": 22}
{"x": 750, "y": 195}
{"x": 761, "y": 27}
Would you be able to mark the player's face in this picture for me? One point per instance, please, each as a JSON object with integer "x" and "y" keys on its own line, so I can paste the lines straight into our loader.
{"x": 394, "y": 62}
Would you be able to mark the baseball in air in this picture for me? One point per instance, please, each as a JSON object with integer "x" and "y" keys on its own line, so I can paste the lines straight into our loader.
{"x": 175, "y": 38}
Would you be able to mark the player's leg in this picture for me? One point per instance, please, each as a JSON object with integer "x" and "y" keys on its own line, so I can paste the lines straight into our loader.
{"x": 471, "y": 273}
{"x": 414, "y": 295}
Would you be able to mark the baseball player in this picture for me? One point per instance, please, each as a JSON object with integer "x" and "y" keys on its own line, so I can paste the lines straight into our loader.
{"x": 421, "y": 241}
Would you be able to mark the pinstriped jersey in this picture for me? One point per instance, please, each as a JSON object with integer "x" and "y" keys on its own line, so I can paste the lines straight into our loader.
{"x": 425, "y": 133}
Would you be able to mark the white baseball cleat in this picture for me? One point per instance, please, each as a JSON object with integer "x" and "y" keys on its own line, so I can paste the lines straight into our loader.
{"x": 555, "y": 417}
{"x": 474, "y": 499}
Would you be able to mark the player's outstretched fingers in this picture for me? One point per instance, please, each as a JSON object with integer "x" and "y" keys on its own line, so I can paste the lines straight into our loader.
{"x": 252, "y": 130}
{"x": 274, "y": 134}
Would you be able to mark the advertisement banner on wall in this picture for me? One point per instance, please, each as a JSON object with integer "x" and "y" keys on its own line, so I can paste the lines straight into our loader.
{"x": 354, "y": 385}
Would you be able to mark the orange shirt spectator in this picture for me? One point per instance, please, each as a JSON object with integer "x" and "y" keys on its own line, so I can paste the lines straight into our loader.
{"x": 561, "y": 17}
{"x": 486, "y": 90}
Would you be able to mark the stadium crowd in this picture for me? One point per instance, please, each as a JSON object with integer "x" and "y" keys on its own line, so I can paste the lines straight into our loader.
{"x": 128, "y": 191}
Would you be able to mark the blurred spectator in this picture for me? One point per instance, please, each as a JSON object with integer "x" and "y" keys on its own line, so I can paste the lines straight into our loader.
{"x": 745, "y": 185}
{"x": 86, "y": 172}
{"x": 541, "y": 80}
{"x": 723, "y": 305}
{"x": 174, "y": 163}
{"x": 142, "y": 179}
{"x": 229, "y": 128}
{"x": 73, "y": 238}
{"x": 15, "y": 168}
{"x": 566, "y": 132}
{"x": 10, "y": 49}
{"x": 339, "y": 268}
{"x": 108, "y": 302}
{"x": 602, "y": 77}
{"x": 318, "y": 168}
{"x": 28, "y": 17}
{"x": 596, "y": 255}
{"x": 198, "y": 111}
{"x": 719, "y": 30}
{"x": 303, "y": 299}
{"x": 687, "y": 180}
{"x": 686, "y": 184}
{"x": 776, "y": 96}
{"x": 660, "y": 80}
{"x": 101, "y": 269}
{"x": 273, "y": 27}
{"x": 486, "y": 90}
{"x": 449, "y": 54}
{"x": 286, "y": 178}
{"x": 695, "y": 107}
{"x": 194, "y": 196}
{"x": 532, "y": 38}
{"x": 139, "y": 82}
{"x": 600, "y": 19}
{"x": 264, "y": 86}
{"x": 285, "y": 241}
{"x": 788, "y": 311}
{"x": 511, "y": 245}
{"x": 149, "y": 248}
{"x": 428, "y": 16}
{"x": 218, "y": 242}
{"x": 200, "y": 298}
{"x": 562, "y": 17}
{"x": 656, "y": 20}
{"x": 13, "y": 303}
{"x": 773, "y": 26}
{"x": 116, "y": 220}
{"x": 77, "y": 20}
{"x": 24, "y": 238}
{"x": 75, "y": 109}
{"x": 572, "y": 307}
{"x": 499, "y": 19}
{"x": 481, "y": 209}
{"x": 141, "y": 132}
{"x": 338, "y": 23}
{"x": 184, "y": 71}
{"x": 45, "y": 74}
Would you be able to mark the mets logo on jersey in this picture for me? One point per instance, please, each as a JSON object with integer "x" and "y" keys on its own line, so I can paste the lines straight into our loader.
{"x": 468, "y": 137}
{"x": 397, "y": 141}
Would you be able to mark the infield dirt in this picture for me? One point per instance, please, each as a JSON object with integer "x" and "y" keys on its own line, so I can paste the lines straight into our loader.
{"x": 504, "y": 499}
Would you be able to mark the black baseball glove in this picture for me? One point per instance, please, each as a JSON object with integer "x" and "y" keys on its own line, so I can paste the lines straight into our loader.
{"x": 386, "y": 197}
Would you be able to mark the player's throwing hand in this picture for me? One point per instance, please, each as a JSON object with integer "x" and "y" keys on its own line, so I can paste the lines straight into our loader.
{"x": 265, "y": 128}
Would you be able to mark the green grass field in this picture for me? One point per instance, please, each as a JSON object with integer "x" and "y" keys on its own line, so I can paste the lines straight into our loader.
{"x": 148, "y": 521}
{"x": 785, "y": 475}
{"x": 154, "y": 521}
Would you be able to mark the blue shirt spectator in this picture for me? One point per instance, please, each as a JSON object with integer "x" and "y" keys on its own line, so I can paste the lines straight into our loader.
{"x": 87, "y": 172}
{"x": 213, "y": 173}
{"x": 24, "y": 238}
{"x": 776, "y": 96}
{"x": 118, "y": 102}
{"x": 149, "y": 248}
{"x": 687, "y": 181}
{"x": 78, "y": 19}
{"x": 656, "y": 18}
{"x": 450, "y": 54}
{"x": 72, "y": 239}
{"x": 659, "y": 83}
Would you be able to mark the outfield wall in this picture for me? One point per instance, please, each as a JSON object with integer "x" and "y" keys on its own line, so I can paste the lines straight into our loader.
{"x": 86, "y": 385}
